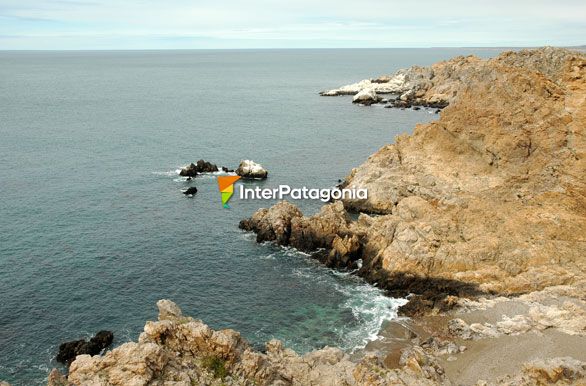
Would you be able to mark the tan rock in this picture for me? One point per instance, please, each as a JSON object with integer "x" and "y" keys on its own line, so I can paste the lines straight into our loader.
{"x": 492, "y": 195}
{"x": 180, "y": 350}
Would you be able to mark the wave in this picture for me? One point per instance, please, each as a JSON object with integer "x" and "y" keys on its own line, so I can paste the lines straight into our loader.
{"x": 175, "y": 173}
{"x": 369, "y": 306}
{"x": 169, "y": 173}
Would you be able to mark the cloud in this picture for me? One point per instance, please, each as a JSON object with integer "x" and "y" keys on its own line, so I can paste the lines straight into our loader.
{"x": 71, "y": 24}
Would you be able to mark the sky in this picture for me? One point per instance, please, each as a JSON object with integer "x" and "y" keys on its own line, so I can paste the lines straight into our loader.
{"x": 193, "y": 24}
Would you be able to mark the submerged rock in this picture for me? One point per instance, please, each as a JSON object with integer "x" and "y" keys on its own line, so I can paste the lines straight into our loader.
{"x": 69, "y": 350}
{"x": 252, "y": 170}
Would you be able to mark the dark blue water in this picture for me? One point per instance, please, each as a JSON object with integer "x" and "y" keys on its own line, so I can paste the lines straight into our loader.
{"x": 94, "y": 228}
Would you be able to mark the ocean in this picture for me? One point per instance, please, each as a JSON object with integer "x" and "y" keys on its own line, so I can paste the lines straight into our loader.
{"x": 94, "y": 228}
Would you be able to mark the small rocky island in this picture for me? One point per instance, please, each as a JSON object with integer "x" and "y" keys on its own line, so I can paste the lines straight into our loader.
{"x": 480, "y": 217}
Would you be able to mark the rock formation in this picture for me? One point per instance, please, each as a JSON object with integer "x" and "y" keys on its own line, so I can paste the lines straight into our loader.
{"x": 366, "y": 97}
{"x": 489, "y": 199}
{"x": 190, "y": 191}
{"x": 180, "y": 350}
{"x": 69, "y": 350}
{"x": 252, "y": 170}
{"x": 192, "y": 170}
{"x": 438, "y": 85}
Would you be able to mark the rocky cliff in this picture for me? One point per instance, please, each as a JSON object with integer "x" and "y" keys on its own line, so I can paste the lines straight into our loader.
{"x": 491, "y": 198}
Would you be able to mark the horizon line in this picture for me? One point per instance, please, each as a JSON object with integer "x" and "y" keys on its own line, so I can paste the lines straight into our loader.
{"x": 286, "y": 48}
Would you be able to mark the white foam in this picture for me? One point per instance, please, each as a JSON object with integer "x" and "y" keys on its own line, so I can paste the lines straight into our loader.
{"x": 369, "y": 305}
{"x": 371, "y": 308}
{"x": 169, "y": 173}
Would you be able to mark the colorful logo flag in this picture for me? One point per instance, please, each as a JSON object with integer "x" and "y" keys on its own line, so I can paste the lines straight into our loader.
{"x": 226, "y": 186}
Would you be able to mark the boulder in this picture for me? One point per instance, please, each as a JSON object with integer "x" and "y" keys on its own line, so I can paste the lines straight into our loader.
{"x": 252, "y": 170}
{"x": 69, "y": 350}
{"x": 366, "y": 97}
{"x": 189, "y": 171}
{"x": 206, "y": 167}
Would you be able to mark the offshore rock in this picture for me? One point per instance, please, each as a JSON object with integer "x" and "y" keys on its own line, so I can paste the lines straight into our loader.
{"x": 201, "y": 166}
{"x": 252, "y": 170}
{"x": 190, "y": 191}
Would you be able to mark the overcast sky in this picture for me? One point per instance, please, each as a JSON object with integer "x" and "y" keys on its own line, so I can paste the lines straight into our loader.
{"x": 147, "y": 24}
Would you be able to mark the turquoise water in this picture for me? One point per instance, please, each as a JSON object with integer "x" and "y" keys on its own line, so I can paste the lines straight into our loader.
{"x": 94, "y": 228}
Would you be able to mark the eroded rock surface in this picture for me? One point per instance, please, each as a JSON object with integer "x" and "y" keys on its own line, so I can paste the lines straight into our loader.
{"x": 180, "y": 350}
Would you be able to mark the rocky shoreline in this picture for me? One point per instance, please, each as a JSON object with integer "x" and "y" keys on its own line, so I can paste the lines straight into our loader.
{"x": 479, "y": 217}
{"x": 488, "y": 202}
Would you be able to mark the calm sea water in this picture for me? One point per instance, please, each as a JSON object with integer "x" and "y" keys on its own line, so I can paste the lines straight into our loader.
{"x": 94, "y": 228}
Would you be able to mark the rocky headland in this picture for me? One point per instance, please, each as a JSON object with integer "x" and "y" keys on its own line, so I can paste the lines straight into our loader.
{"x": 479, "y": 218}
{"x": 487, "y": 202}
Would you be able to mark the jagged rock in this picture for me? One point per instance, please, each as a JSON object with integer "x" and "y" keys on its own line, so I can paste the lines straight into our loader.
{"x": 189, "y": 171}
{"x": 190, "y": 191}
{"x": 252, "y": 170}
{"x": 486, "y": 199}
{"x": 496, "y": 180}
{"x": 417, "y": 370}
{"x": 180, "y": 350}
{"x": 438, "y": 85}
{"x": 569, "y": 317}
{"x": 55, "y": 379}
{"x": 201, "y": 166}
{"x": 319, "y": 231}
{"x": 272, "y": 224}
{"x": 558, "y": 371}
{"x": 69, "y": 350}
